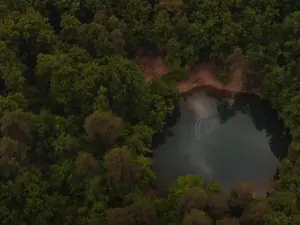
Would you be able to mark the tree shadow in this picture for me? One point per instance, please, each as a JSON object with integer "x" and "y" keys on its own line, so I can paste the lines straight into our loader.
{"x": 264, "y": 117}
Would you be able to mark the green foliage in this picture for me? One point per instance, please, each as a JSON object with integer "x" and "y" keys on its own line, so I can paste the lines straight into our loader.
{"x": 27, "y": 34}
{"x": 176, "y": 75}
{"x": 277, "y": 218}
{"x": 77, "y": 119}
{"x": 12, "y": 102}
{"x": 140, "y": 139}
{"x": 254, "y": 214}
{"x": 283, "y": 202}
{"x": 184, "y": 183}
{"x": 10, "y": 69}
{"x": 213, "y": 187}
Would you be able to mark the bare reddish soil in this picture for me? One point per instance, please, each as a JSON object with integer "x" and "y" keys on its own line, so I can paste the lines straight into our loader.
{"x": 202, "y": 76}
{"x": 152, "y": 66}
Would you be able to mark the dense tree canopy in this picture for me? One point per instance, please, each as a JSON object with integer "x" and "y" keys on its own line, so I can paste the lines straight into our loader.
{"x": 77, "y": 119}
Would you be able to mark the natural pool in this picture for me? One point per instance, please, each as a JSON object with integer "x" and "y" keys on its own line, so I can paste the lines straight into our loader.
{"x": 225, "y": 138}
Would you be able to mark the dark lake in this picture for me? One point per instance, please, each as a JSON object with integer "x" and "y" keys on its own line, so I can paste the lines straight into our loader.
{"x": 224, "y": 138}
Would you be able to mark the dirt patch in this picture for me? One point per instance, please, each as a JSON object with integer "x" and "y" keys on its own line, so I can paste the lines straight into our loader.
{"x": 151, "y": 65}
{"x": 204, "y": 75}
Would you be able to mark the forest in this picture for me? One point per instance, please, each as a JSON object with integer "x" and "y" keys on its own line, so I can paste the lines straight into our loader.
{"x": 78, "y": 120}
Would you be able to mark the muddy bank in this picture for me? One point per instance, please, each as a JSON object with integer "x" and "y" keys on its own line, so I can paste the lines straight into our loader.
{"x": 203, "y": 76}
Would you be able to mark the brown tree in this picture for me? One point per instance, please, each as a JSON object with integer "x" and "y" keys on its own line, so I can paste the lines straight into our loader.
{"x": 217, "y": 206}
{"x": 144, "y": 213}
{"x": 241, "y": 195}
{"x": 119, "y": 216}
{"x": 103, "y": 125}
{"x": 122, "y": 171}
{"x": 196, "y": 217}
{"x": 100, "y": 17}
{"x": 228, "y": 221}
{"x": 13, "y": 157}
{"x": 18, "y": 125}
{"x": 254, "y": 214}
{"x": 86, "y": 164}
{"x": 194, "y": 198}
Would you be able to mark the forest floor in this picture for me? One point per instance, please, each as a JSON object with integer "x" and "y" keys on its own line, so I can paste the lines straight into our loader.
{"x": 202, "y": 76}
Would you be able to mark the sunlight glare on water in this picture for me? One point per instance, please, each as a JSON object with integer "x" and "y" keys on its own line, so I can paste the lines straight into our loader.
{"x": 215, "y": 140}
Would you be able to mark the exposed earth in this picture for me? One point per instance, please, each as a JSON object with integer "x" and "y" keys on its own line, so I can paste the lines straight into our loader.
{"x": 203, "y": 76}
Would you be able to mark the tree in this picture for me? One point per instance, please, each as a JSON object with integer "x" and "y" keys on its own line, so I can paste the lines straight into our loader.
{"x": 194, "y": 198}
{"x": 86, "y": 164}
{"x": 277, "y": 218}
{"x": 37, "y": 203}
{"x": 13, "y": 157}
{"x": 100, "y": 17}
{"x": 104, "y": 125}
{"x": 65, "y": 146}
{"x": 69, "y": 6}
{"x": 117, "y": 40}
{"x": 213, "y": 187}
{"x": 163, "y": 102}
{"x": 12, "y": 102}
{"x": 173, "y": 50}
{"x": 11, "y": 69}
{"x": 184, "y": 183}
{"x": 119, "y": 216}
{"x": 18, "y": 126}
{"x": 69, "y": 82}
{"x": 254, "y": 214}
{"x": 94, "y": 38}
{"x": 27, "y": 34}
{"x": 73, "y": 81}
{"x": 121, "y": 169}
{"x": 135, "y": 13}
{"x": 139, "y": 139}
{"x": 144, "y": 213}
{"x": 101, "y": 102}
{"x": 59, "y": 175}
{"x": 146, "y": 173}
{"x": 217, "y": 206}
{"x": 23, "y": 6}
{"x": 295, "y": 220}
{"x": 228, "y": 221}
{"x": 162, "y": 28}
{"x": 69, "y": 31}
{"x": 241, "y": 195}
{"x": 97, "y": 214}
{"x": 285, "y": 202}
{"x": 128, "y": 95}
{"x": 94, "y": 191}
{"x": 196, "y": 217}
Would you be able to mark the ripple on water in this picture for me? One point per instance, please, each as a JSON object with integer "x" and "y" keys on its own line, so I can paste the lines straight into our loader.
{"x": 223, "y": 139}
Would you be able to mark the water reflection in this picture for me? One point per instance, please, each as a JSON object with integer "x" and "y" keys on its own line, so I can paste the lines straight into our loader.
{"x": 222, "y": 138}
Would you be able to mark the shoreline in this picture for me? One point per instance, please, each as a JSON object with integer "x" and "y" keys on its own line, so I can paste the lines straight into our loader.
{"x": 203, "y": 75}
{"x": 203, "y": 78}
{"x": 233, "y": 91}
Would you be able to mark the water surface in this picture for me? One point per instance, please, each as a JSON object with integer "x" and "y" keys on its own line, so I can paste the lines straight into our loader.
{"x": 223, "y": 138}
